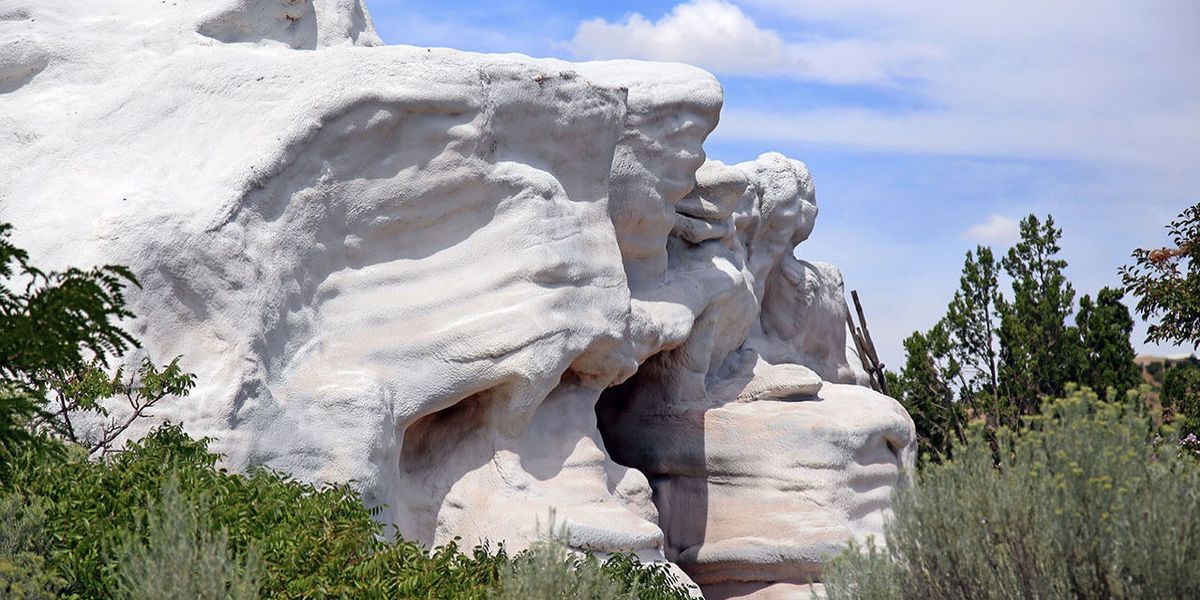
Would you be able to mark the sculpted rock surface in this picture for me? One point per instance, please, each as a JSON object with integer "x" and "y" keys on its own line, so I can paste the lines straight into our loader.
{"x": 466, "y": 282}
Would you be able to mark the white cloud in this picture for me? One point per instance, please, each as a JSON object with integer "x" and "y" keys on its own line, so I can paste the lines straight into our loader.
{"x": 709, "y": 33}
{"x": 997, "y": 229}
{"x": 719, "y": 36}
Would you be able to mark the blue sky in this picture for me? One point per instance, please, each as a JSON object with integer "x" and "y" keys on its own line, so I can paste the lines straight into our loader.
{"x": 930, "y": 126}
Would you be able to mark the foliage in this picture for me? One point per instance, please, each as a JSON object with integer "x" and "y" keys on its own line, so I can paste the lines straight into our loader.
{"x": 1181, "y": 398}
{"x": 84, "y": 389}
{"x": 18, "y": 408}
{"x": 58, "y": 330}
{"x": 310, "y": 539}
{"x": 57, "y": 319}
{"x": 183, "y": 558}
{"x": 1038, "y": 350}
{"x": 993, "y": 357}
{"x": 23, "y": 544}
{"x": 971, "y": 320}
{"x": 110, "y": 532}
{"x": 925, "y": 388}
{"x": 550, "y": 570}
{"x": 51, "y": 323}
{"x": 1086, "y": 502}
{"x": 1167, "y": 283}
{"x": 646, "y": 582}
{"x": 1104, "y": 329}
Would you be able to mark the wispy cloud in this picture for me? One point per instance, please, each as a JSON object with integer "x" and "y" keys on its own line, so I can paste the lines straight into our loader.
{"x": 997, "y": 229}
{"x": 1092, "y": 80}
{"x": 1168, "y": 144}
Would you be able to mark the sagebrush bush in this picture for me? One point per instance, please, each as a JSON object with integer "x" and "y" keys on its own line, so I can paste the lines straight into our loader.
{"x": 550, "y": 570}
{"x": 180, "y": 557}
{"x": 1087, "y": 502}
{"x": 23, "y": 544}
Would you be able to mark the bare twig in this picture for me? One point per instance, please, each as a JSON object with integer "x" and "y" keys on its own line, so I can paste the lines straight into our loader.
{"x": 113, "y": 430}
{"x": 65, "y": 411}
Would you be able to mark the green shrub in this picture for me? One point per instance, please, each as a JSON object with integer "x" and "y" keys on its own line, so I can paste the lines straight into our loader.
{"x": 1088, "y": 502}
{"x": 648, "y": 582}
{"x": 549, "y": 571}
{"x": 160, "y": 520}
{"x": 312, "y": 540}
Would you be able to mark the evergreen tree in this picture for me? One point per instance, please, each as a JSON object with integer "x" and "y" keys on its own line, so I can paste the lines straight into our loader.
{"x": 1039, "y": 352}
{"x": 924, "y": 386}
{"x": 972, "y": 319}
{"x": 1104, "y": 330}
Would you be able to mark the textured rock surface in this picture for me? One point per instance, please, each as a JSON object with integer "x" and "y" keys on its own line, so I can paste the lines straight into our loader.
{"x": 428, "y": 271}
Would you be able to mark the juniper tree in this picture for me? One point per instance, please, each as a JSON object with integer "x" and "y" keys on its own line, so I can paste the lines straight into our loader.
{"x": 972, "y": 319}
{"x": 925, "y": 386}
{"x": 1104, "y": 330}
{"x": 1038, "y": 350}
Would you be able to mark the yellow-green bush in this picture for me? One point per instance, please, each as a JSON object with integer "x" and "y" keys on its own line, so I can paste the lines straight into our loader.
{"x": 1088, "y": 501}
{"x": 23, "y": 544}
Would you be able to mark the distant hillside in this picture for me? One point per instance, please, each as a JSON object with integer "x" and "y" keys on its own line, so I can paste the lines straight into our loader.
{"x": 1154, "y": 368}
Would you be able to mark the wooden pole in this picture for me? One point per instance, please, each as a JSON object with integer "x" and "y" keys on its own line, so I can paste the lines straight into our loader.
{"x": 870, "y": 344}
{"x": 856, "y": 335}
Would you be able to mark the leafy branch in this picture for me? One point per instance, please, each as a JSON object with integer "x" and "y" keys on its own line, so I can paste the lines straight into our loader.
{"x": 58, "y": 331}
{"x": 83, "y": 390}
{"x": 1167, "y": 282}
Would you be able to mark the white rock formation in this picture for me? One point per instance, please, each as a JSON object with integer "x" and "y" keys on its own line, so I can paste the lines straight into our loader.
{"x": 422, "y": 269}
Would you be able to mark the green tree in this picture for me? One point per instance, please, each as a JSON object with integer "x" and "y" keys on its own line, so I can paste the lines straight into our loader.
{"x": 1104, "y": 329}
{"x": 951, "y": 371}
{"x": 972, "y": 319}
{"x": 1166, "y": 282}
{"x": 925, "y": 387}
{"x": 58, "y": 332}
{"x": 1181, "y": 397}
{"x": 995, "y": 356}
{"x": 50, "y": 324}
{"x": 1039, "y": 352}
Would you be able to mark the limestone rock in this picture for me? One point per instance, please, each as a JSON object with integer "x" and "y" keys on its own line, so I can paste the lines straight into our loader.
{"x": 443, "y": 275}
